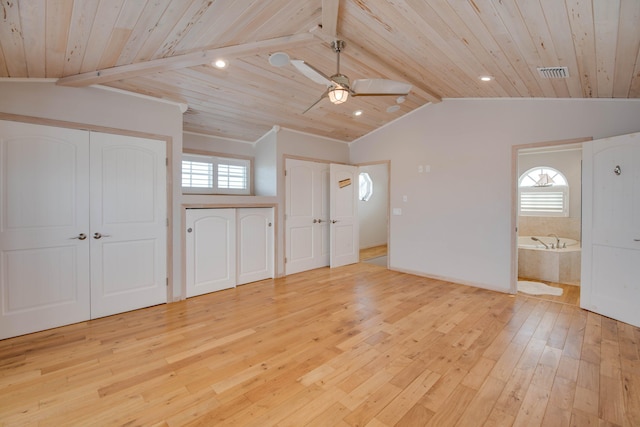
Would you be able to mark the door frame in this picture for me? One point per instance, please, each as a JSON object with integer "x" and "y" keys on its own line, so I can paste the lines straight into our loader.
{"x": 388, "y": 205}
{"x": 168, "y": 140}
{"x": 515, "y": 149}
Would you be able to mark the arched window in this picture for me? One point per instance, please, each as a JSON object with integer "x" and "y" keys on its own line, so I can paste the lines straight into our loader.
{"x": 366, "y": 187}
{"x": 543, "y": 191}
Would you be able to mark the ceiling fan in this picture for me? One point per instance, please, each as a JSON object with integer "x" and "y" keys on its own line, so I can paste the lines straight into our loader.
{"x": 338, "y": 86}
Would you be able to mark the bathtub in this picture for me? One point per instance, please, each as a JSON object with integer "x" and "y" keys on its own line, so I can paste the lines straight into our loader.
{"x": 551, "y": 265}
{"x": 525, "y": 242}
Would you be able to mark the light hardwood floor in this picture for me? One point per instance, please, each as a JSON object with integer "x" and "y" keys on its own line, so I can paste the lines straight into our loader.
{"x": 570, "y": 293}
{"x": 353, "y": 346}
{"x": 373, "y": 252}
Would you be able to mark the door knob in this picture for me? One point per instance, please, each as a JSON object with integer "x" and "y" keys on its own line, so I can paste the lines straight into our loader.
{"x": 97, "y": 235}
{"x": 80, "y": 236}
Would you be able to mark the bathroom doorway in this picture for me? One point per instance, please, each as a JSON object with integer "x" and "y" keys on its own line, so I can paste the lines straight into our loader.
{"x": 548, "y": 207}
{"x": 373, "y": 213}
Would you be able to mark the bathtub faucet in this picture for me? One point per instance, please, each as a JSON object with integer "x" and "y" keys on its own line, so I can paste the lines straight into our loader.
{"x": 557, "y": 240}
{"x": 538, "y": 240}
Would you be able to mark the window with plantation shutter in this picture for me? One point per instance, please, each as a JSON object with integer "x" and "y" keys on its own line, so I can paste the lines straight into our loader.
{"x": 543, "y": 191}
{"x": 204, "y": 174}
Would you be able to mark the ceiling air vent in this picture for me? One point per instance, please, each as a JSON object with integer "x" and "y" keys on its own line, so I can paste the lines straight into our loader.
{"x": 553, "y": 72}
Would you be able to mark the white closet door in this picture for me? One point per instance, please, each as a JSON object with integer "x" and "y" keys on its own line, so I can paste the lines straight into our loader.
{"x": 210, "y": 251}
{"x": 44, "y": 208}
{"x": 128, "y": 223}
{"x": 255, "y": 244}
{"x": 343, "y": 190}
{"x": 307, "y": 215}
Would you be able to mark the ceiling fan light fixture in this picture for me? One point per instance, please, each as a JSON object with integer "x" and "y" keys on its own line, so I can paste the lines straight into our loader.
{"x": 338, "y": 95}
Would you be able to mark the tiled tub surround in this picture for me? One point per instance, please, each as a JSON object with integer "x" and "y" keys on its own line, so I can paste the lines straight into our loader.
{"x": 542, "y": 226}
{"x": 552, "y": 265}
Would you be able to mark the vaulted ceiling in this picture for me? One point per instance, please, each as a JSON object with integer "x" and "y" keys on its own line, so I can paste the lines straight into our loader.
{"x": 164, "y": 48}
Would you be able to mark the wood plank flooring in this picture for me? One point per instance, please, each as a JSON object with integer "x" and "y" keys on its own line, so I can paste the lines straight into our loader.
{"x": 354, "y": 346}
{"x": 373, "y": 252}
{"x": 570, "y": 293}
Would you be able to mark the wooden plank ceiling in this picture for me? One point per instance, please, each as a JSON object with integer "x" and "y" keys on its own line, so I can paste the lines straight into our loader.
{"x": 163, "y": 48}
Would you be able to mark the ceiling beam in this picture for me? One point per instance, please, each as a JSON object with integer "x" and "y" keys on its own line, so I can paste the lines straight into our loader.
{"x": 396, "y": 72}
{"x": 330, "y": 17}
{"x": 186, "y": 60}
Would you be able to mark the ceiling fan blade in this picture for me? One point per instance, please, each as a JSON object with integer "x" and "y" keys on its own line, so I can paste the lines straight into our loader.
{"x": 376, "y": 87}
{"x": 324, "y": 95}
{"x": 311, "y": 72}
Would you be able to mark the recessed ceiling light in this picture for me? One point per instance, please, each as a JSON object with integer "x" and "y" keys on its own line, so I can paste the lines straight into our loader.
{"x": 486, "y": 78}
{"x": 220, "y": 63}
{"x": 393, "y": 109}
{"x": 357, "y": 113}
{"x": 279, "y": 59}
{"x": 401, "y": 99}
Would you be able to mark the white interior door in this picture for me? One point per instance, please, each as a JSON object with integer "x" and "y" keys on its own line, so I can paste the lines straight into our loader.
{"x": 610, "y": 283}
{"x": 44, "y": 214}
{"x": 343, "y": 202}
{"x": 306, "y": 215}
{"x": 255, "y": 244}
{"x": 211, "y": 250}
{"x": 128, "y": 223}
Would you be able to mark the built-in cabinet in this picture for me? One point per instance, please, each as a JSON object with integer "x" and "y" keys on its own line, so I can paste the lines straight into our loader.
{"x": 83, "y": 225}
{"x": 227, "y": 247}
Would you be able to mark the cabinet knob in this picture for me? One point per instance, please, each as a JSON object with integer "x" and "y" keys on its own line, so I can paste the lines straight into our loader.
{"x": 189, "y": 230}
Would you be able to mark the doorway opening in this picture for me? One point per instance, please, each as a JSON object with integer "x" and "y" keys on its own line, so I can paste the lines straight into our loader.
{"x": 548, "y": 209}
{"x": 373, "y": 213}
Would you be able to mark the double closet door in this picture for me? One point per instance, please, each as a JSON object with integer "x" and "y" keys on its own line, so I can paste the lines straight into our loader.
{"x": 321, "y": 215}
{"x": 83, "y": 225}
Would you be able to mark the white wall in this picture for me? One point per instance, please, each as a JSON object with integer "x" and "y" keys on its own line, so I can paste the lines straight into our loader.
{"x": 457, "y": 222}
{"x": 99, "y": 107}
{"x": 266, "y": 164}
{"x": 214, "y": 144}
{"x": 372, "y": 214}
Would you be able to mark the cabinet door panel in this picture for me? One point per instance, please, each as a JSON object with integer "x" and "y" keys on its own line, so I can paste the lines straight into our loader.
{"x": 210, "y": 250}
{"x": 255, "y": 244}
